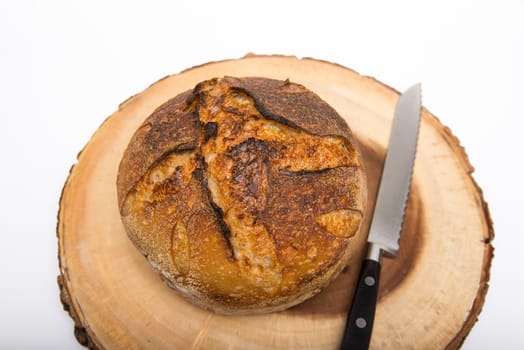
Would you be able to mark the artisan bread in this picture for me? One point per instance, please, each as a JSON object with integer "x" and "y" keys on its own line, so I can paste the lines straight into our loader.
{"x": 246, "y": 194}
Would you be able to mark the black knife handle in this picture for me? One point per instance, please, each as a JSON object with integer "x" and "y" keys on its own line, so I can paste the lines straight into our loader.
{"x": 360, "y": 320}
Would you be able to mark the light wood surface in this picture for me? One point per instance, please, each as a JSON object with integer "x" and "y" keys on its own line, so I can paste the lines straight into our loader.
{"x": 430, "y": 295}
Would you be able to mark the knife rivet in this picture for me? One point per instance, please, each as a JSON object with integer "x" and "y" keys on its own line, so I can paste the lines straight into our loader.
{"x": 369, "y": 281}
{"x": 361, "y": 322}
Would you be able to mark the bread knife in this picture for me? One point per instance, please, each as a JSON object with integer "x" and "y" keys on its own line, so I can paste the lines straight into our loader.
{"x": 388, "y": 215}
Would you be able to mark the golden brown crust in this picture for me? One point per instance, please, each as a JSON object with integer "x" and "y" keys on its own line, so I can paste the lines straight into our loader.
{"x": 293, "y": 105}
{"x": 172, "y": 127}
{"x": 244, "y": 193}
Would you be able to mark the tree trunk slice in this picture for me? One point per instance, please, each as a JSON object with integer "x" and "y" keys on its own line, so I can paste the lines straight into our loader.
{"x": 430, "y": 295}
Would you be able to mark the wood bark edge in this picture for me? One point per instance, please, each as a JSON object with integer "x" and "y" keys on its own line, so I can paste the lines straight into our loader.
{"x": 482, "y": 291}
{"x": 82, "y": 333}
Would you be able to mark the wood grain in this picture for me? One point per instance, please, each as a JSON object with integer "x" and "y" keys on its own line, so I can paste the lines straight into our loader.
{"x": 430, "y": 295}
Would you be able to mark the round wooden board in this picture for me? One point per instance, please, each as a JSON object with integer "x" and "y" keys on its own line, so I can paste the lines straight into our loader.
{"x": 430, "y": 295}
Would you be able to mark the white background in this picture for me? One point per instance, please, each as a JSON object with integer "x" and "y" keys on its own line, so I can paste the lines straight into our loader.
{"x": 65, "y": 66}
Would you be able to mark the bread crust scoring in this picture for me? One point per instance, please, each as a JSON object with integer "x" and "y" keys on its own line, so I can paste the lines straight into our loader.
{"x": 244, "y": 193}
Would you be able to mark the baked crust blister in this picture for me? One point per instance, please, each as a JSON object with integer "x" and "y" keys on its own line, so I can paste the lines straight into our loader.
{"x": 245, "y": 193}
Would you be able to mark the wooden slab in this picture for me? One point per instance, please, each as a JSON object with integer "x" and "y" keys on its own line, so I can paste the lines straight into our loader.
{"x": 430, "y": 295}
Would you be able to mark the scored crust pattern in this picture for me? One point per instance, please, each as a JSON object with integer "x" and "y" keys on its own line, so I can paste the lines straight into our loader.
{"x": 244, "y": 193}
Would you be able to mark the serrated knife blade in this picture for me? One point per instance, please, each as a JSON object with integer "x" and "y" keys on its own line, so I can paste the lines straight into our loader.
{"x": 393, "y": 193}
{"x": 388, "y": 216}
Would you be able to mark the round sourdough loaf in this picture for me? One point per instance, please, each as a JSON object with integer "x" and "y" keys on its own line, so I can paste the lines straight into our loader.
{"x": 246, "y": 194}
